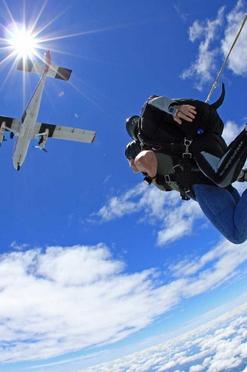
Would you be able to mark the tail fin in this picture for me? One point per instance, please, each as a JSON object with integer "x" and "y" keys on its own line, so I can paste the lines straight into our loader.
{"x": 37, "y": 67}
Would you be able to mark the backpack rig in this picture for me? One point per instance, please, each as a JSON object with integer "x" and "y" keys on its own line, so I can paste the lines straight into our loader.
{"x": 181, "y": 147}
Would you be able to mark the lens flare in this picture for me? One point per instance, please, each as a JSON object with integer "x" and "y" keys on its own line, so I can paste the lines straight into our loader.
{"x": 23, "y": 43}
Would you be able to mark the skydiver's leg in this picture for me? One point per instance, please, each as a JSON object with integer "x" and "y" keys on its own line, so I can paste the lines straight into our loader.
{"x": 226, "y": 170}
{"x": 225, "y": 210}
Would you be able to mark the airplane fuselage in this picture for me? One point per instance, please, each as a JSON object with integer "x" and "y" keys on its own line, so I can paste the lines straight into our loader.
{"x": 27, "y": 123}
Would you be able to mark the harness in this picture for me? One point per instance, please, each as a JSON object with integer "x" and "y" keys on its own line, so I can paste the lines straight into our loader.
{"x": 182, "y": 149}
{"x": 185, "y": 175}
{"x": 186, "y": 172}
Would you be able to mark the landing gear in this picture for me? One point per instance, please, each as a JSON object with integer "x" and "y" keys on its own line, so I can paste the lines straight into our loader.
{"x": 18, "y": 167}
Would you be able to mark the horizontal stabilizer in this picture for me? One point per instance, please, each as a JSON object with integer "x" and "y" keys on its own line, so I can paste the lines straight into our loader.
{"x": 37, "y": 67}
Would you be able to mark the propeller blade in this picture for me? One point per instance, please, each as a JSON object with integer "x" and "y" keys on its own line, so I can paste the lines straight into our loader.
{"x": 37, "y": 147}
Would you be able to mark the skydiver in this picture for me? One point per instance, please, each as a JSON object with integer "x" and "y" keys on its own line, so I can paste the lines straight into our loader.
{"x": 177, "y": 145}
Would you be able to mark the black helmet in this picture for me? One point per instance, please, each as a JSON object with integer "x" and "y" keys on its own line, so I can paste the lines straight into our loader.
{"x": 132, "y": 150}
{"x": 131, "y": 126}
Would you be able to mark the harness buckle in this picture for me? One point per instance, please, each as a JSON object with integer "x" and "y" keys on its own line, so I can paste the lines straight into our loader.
{"x": 167, "y": 178}
{"x": 187, "y": 155}
{"x": 176, "y": 166}
{"x": 187, "y": 144}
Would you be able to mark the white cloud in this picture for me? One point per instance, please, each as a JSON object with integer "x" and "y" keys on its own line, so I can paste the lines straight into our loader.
{"x": 181, "y": 13}
{"x": 149, "y": 200}
{"x": 210, "y": 58}
{"x": 171, "y": 216}
{"x": 66, "y": 299}
{"x": 18, "y": 247}
{"x": 64, "y": 266}
{"x": 179, "y": 222}
{"x": 215, "y": 267}
{"x": 206, "y": 61}
{"x": 231, "y": 130}
{"x": 119, "y": 206}
{"x": 216, "y": 346}
{"x": 238, "y": 58}
{"x": 62, "y": 300}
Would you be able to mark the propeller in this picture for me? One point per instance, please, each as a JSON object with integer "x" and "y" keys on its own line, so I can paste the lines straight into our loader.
{"x": 41, "y": 139}
{"x": 37, "y": 147}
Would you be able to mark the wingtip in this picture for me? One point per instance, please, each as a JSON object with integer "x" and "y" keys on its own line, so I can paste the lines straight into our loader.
{"x": 93, "y": 137}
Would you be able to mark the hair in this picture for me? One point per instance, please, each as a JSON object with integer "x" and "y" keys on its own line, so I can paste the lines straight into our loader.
{"x": 132, "y": 149}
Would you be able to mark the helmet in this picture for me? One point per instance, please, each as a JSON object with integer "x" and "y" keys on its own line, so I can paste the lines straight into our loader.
{"x": 132, "y": 150}
{"x": 131, "y": 126}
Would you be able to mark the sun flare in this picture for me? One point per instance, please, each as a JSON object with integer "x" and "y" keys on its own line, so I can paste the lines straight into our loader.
{"x": 22, "y": 42}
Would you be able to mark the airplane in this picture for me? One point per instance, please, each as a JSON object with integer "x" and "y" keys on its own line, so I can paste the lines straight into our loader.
{"x": 27, "y": 127}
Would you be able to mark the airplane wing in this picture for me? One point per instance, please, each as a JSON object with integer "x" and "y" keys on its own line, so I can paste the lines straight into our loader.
{"x": 12, "y": 125}
{"x": 66, "y": 133}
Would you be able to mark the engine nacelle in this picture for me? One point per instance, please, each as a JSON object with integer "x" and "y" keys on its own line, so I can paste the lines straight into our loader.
{"x": 2, "y": 131}
{"x": 43, "y": 139}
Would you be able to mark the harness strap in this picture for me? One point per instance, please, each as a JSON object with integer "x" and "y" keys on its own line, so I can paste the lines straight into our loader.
{"x": 184, "y": 181}
{"x": 168, "y": 148}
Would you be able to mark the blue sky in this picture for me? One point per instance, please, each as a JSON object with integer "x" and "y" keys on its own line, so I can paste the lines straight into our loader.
{"x": 94, "y": 265}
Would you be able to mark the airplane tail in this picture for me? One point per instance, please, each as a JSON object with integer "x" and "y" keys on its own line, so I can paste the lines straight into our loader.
{"x": 26, "y": 64}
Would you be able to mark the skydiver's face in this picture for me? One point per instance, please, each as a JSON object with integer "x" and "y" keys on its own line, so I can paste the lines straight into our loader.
{"x": 136, "y": 165}
{"x": 133, "y": 165}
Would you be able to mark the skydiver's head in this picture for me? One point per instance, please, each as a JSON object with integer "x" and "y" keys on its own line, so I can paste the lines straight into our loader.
{"x": 131, "y": 126}
{"x": 132, "y": 150}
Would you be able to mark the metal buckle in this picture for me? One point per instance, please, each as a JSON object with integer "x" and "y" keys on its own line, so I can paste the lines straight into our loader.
{"x": 176, "y": 166}
{"x": 187, "y": 154}
{"x": 167, "y": 178}
{"x": 187, "y": 142}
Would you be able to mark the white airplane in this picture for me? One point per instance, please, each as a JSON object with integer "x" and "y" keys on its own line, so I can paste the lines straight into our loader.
{"x": 27, "y": 128}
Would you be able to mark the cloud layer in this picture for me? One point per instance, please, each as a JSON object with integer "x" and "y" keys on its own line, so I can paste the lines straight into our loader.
{"x": 217, "y": 346}
{"x": 65, "y": 299}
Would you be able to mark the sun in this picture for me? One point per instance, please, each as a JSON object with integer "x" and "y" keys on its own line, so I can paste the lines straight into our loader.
{"x": 22, "y": 42}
